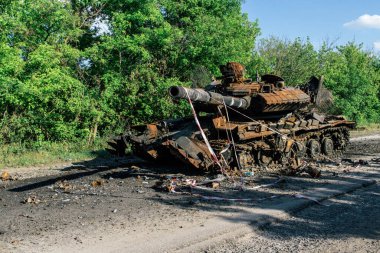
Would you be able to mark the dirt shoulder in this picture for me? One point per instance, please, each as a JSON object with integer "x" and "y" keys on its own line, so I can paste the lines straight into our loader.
{"x": 364, "y": 132}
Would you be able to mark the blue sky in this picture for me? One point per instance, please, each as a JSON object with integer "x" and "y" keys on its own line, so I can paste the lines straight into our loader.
{"x": 337, "y": 21}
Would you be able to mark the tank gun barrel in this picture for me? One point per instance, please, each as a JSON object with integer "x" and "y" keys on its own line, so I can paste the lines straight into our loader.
{"x": 207, "y": 97}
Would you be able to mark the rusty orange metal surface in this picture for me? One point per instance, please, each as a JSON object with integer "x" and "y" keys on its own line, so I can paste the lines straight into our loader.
{"x": 153, "y": 131}
{"x": 283, "y": 100}
{"x": 285, "y": 97}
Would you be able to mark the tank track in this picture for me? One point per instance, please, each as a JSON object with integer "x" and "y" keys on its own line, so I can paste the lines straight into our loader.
{"x": 274, "y": 154}
{"x": 270, "y": 153}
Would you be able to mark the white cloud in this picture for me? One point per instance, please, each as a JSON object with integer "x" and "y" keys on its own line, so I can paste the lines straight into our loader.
{"x": 376, "y": 46}
{"x": 365, "y": 21}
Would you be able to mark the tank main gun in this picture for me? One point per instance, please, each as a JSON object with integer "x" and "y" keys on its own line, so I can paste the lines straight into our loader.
{"x": 208, "y": 97}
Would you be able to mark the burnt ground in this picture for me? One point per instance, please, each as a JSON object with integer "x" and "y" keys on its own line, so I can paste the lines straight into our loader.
{"x": 86, "y": 204}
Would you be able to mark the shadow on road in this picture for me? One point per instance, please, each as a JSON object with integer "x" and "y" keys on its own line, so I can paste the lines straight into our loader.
{"x": 100, "y": 165}
{"x": 74, "y": 171}
{"x": 354, "y": 215}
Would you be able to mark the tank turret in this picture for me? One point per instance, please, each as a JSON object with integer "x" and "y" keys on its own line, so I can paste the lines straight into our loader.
{"x": 267, "y": 96}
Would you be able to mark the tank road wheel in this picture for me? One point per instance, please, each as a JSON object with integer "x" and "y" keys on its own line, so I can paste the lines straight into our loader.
{"x": 327, "y": 146}
{"x": 263, "y": 158}
{"x": 314, "y": 148}
{"x": 297, "y": 151}
{"x": 300, "y": 149}
{"x": 341, "y": 139}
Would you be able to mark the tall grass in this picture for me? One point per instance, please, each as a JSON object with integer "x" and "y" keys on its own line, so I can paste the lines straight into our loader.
{"x": 42, "y": 153}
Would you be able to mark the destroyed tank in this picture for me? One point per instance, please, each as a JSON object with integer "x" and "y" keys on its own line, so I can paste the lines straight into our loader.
{"x": 242, "y": 125}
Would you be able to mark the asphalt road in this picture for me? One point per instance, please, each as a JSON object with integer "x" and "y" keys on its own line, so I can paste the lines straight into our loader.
{"x": 350, "y": 223}
{"x": 111, "y": 206}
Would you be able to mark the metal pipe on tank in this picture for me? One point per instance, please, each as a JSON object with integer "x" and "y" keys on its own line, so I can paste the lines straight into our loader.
{"x": 207, "y": 97}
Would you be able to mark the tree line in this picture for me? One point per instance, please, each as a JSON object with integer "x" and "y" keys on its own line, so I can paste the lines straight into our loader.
{"x": 77, "y": 69}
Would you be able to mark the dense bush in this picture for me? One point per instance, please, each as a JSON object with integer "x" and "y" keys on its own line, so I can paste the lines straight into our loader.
{"x": 78, "y": 69}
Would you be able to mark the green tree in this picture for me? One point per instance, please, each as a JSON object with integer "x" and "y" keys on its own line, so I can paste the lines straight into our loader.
{"x": 41, "y": 96}
{"x": 63, "y": 78}
{"x": 212, "y": 32}
{"x": 354, "y": 77}
{"x": 295, "y": 61}
{"x": 154, "y": 44}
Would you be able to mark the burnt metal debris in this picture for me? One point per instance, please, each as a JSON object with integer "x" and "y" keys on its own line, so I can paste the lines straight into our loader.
{"x": 243, "y": 125}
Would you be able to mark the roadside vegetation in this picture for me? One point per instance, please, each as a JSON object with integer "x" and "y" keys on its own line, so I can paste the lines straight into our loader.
{"x": 76, "y": 71}
{"x": 45, "y": 153}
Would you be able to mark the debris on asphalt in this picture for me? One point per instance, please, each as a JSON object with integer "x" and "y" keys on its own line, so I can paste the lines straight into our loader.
{"x": 215, "y": 185}
{"x": 249, "y": 173}
{"x": 171, "y": 184}
{"x": 220, "y": 178}
{"x": 26, "y": 216}
{"x": 280, "y": 180}
{"x": 5, "y": 176}
{"x": 135, "y": 168}
{"x": 313, "y": 171}
{"x": 97, "y": 183}
{"x": 357, "y": 163}
{"x": 32, "y": 200}
{"x": 159, "y": 185}
{"x": 78, "y": 239}
{"x": 301, "y": 196}
{"x": 348, "y": 160}
{"x": 363, "y": 162}
{"x": 65, "y": 186}
{"x": 187, "y": 185}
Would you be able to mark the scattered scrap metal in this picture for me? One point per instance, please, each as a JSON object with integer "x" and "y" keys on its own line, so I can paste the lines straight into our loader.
{"x": 97, "y": 183}
{"x": 358, "y": 162}
{"x": 195, "y": 186}
{"x": 5, "y": 176}
{"x": 182, "y": 185}
{"x": 33, "y": 199}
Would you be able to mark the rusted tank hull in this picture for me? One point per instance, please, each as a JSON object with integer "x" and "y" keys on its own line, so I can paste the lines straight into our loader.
{"x": 245, "y": 146}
